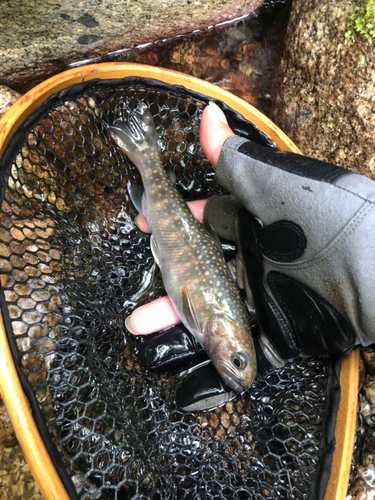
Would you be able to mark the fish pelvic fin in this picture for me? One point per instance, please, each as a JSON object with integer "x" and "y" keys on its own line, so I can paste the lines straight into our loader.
{"x": 135, "y": 135}
{"x": 188, "y": 310}
{"x": 155, "y": 250}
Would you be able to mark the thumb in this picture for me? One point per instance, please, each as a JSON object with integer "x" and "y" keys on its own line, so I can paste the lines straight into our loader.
{"x": 214, "y": 131}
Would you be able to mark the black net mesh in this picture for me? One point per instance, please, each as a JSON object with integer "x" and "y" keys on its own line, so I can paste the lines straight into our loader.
{"x": 73, "y": 266}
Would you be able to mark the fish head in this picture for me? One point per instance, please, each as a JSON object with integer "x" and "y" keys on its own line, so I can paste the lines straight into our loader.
{"x": 230, "y": 347}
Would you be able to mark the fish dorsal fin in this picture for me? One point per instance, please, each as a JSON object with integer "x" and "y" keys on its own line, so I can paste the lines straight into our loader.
{"x": 188, "y": 310}
{"x": 136, "y": 195}
{"x": 213, "y": 234}
{"x": 155, "y": 250}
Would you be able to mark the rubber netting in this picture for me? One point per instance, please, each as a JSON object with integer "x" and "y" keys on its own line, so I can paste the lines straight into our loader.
{"x": 73, "y": 266}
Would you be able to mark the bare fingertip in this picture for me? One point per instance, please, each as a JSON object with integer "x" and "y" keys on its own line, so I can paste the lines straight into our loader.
{"x": 217, "y": 113}
{"x": 127, "y": 325}
{"x": 141, "y": 224}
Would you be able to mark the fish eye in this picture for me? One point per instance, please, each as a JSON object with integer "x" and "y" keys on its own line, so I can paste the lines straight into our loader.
{"x": 240, "y": 360}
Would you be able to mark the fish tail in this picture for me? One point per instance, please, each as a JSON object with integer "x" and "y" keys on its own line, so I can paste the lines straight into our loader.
{"x": 135, "y": 135}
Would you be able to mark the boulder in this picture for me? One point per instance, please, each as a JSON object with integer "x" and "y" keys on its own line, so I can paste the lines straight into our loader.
{"x": 325, "y": 95}
{"x": 40, "y": 38}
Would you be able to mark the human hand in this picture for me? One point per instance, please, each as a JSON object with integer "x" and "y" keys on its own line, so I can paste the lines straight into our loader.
{"x": 305, "y": 235}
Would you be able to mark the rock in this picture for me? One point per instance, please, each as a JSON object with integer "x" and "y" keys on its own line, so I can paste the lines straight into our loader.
{"x": 363, "y": 488}
{"x": 16, "y": 480}
{"x": 195, "y": 58}
{"x": 238, "y": 35}
{"x": 369, "y": 361}
{"x": 39, "y": 38}
{"x": 247, "y": 51}
{"x": 369, "y": 388}
{"x": 327, "y": 86}
{"x": 205, "y": 59}
{"x": 7, "y": 98}
{"x": 7, "y": 434}
{"x": 186, "y": 57}
{"x": 240, "y": 85}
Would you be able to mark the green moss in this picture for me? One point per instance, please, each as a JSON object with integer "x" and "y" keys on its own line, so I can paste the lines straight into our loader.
{"x": 362, "y": 21}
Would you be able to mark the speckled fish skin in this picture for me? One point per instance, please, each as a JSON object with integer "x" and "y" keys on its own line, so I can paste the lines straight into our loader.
{"x": 194, "y": 272}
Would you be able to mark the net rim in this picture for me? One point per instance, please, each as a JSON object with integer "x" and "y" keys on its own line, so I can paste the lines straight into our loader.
{"x": 16, "y": 402}
{"x": 32, "y": 100}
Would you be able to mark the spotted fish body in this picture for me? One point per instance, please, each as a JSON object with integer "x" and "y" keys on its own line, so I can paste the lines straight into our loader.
{"x": 194, "y": 272}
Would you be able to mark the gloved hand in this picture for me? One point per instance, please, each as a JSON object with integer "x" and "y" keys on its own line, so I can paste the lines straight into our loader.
{"x": 305, "y": 236}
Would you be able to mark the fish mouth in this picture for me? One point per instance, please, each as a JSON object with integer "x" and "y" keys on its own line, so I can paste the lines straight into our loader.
{"x": 231, "y": 376}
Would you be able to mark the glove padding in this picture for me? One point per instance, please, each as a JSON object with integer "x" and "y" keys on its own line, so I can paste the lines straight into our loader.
{"x": 311, "y": 229}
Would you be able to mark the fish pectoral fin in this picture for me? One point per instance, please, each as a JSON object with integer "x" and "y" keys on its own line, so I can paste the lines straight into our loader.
{"x": 188, "y": 310}
{"x": 213, "y": 234}
{"x": 136, "y": 195}
{"x": 154, "y": 250}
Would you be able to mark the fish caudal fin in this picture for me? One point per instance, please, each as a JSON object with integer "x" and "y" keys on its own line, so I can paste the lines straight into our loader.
{"x": 136, "y": 134}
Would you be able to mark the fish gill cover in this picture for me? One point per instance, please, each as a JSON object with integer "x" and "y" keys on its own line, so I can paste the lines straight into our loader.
{"x": 73, "y": 266}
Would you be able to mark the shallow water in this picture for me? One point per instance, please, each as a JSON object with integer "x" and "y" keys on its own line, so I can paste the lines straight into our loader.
{"x": 240, "y": 57}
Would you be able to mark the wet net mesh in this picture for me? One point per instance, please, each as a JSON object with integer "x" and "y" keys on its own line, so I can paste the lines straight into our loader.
{"x": 73, "y": 266}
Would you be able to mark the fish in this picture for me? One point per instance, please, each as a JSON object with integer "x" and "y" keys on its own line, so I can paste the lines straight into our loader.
{"x": 194, "y": 273}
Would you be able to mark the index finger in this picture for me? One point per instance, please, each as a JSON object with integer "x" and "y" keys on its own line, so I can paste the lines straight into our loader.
{"x": 153, "y": 317}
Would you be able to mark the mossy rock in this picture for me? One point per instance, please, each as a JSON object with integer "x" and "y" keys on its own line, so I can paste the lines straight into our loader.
{"x": 362, "y": 21}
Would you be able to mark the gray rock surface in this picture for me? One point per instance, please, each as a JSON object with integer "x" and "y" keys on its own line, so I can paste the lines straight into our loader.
{"x": 326, "y": 102}
{"x": 42, "y": 37}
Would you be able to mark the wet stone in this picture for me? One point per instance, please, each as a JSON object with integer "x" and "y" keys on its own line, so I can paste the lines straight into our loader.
{"x": 26, "y": 303}
{"x": 88, "y": 39}
{"x": 10, "y": 296}
{"x": 37, "y": 332}
{"x": 22, "y": 289}
{"x": 40, "y": 295}
{"x": 4, "y": 250}
{"x": 369, "y": 361}
{"x": 14, "y": 311}
{"x": 7, "y": 434}
{"x": 31, "y": 317}
{"x": 4, "y": 235}
{"x": 19, "y": 327}
{"x": 37, "y": 377}
{"x": 44, "y": 346}
{"x": 24, "y": 344}
{"x": 31, "y": 360}
{"x": 5, "y": 266}
{"x": 45, "y": 308}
